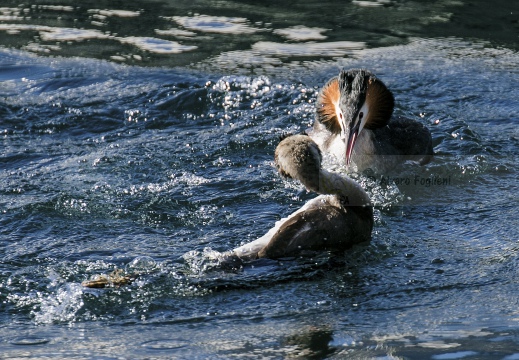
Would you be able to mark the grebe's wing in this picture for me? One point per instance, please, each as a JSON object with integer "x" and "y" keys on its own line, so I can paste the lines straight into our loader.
{"x": 323, "y": 228}
{"x": 405, "y": 137}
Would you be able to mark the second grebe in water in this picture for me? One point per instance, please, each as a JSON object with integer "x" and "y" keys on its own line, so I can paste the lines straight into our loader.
{"x": 354, "y": 122}
{"x": 334, "y": 221}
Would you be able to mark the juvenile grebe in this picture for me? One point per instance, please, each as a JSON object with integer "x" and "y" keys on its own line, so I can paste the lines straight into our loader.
{"x": 354, "y": 123}
{"x": 334, "y": 221}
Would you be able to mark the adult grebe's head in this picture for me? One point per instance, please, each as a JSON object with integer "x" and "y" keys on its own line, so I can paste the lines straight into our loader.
{"x": 299, "y": 157}
{"x": 351, "y": 101}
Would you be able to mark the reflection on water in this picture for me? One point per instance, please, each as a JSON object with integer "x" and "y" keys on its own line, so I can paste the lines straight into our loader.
{"x": 310, "y": 343}
{"x": 302, "y": 33}
{"x": 215, "y": 24}
{"x": 139, "y": 33}
{"x": 330, "y": 49}
{"x": 157, "y": 46}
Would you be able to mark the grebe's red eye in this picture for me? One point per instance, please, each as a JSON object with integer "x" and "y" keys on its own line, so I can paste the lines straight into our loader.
{"x": 340, "y": 114}
{"x": 361, "y": 115}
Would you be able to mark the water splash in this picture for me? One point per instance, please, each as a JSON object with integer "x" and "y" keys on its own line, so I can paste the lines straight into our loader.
{"x": 141, "y": 265}
{"x": 60, "y": 306}
{"x": 199, "y": 263}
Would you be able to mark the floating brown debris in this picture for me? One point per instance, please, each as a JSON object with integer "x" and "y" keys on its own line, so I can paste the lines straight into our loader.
{"x": 115, "y": 279}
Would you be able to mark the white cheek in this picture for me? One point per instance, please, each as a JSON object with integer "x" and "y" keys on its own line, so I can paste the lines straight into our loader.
{"x": 340, "y": 118}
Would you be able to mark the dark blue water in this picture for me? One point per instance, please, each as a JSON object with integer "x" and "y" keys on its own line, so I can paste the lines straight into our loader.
{"x": 115, "y": 155}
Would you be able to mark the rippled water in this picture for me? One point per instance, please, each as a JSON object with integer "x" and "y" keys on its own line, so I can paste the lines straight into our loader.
{"x": 141, "y": 138}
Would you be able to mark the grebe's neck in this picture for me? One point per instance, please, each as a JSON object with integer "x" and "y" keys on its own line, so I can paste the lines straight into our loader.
{"x": 349, "y": 192}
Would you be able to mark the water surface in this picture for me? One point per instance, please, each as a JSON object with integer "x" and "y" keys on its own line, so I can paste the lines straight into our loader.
{"x": 141, "y": 138}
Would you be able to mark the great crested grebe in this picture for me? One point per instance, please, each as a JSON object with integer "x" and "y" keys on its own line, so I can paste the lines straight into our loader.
{"x": 334, "y": 221}
{"x": 354, "y": 122}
